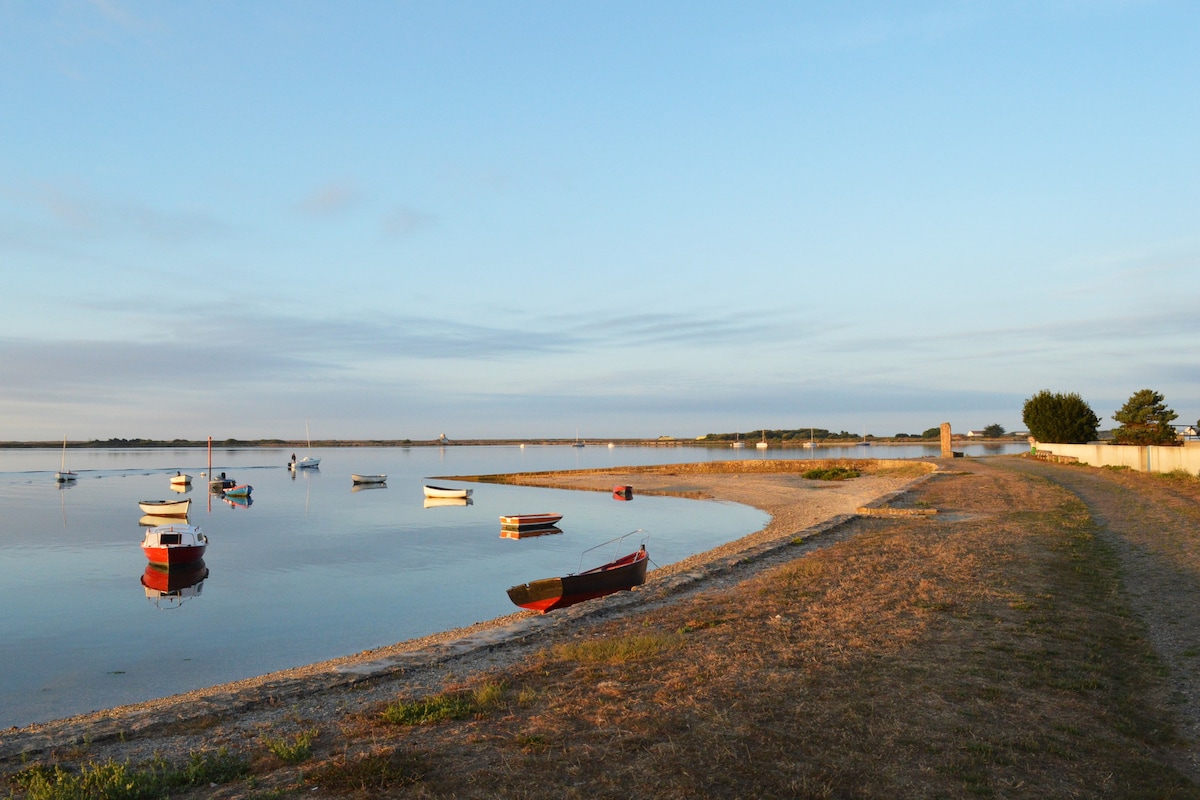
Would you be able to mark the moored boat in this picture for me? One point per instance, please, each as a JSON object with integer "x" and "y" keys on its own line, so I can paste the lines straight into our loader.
{"x": 64, "y": 475}
{"x": 549, "y": 594}
{"x": 165, "y": 508}
{"x": 174, "y": 544}
{"x": 368, "y": 478}
{"x": 529, "y": 521}
{"x": 181, "y": 479}
{"x": 445, "y": 491}
{"x": 623, "y": 492}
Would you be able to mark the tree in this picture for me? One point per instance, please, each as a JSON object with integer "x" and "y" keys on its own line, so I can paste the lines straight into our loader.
{"x": 932, "y": 433}
{"x": 1060, "y": 418}
{"x": 993, "y": 431}
{"x": 1145, "y": 419}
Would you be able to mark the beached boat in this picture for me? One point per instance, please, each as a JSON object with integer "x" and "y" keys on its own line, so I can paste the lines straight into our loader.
{"x": 243, "y": 490}
{"x": 165, "y": 508}
{"x": 529, "y": 521}
{"x": 443, "y": 491}
{"x": 64, "y": 475}
{"x": 181, "y": 479}
{"x": 551, "y": 593}
{"x": 623, "y": 492}
{"x": 174, "y": 544}
{"x": 359, "y": 479}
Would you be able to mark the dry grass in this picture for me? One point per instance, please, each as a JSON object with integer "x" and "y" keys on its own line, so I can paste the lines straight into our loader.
{"x": 983, "y": 652}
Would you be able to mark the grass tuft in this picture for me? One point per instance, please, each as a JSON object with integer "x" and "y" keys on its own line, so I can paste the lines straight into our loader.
{"x": 295, "y": 750}
{"x": 444, "y": 706}
{"x": 832, "y": 474}
{"x": 617, "y": 650}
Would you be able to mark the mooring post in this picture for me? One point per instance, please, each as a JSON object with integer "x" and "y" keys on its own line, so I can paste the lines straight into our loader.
{"x": 947, "y": 450}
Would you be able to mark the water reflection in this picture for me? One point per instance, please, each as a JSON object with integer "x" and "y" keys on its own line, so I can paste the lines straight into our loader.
{"x": 238, "y": 501}
{"x": 521, "y": 533}
{"x": 441, "y": 502}
{"x": 168, "y": 587}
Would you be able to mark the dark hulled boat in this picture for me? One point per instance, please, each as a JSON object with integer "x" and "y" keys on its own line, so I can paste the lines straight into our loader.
{"x": 548, "y": 594}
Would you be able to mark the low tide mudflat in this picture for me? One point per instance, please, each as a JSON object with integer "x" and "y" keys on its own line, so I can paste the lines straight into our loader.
{"x": 1034, "y": 638}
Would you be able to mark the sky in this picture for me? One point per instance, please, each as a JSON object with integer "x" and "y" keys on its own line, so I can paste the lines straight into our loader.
{"x": 389, "y": 220}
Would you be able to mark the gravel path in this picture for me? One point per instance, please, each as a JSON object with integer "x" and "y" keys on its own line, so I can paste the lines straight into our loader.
{"x": 1153, "y": 524}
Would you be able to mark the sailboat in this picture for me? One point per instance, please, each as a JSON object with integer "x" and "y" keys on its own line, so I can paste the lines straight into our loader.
{"x": 308, "y": 461}
{"x": 763, "y": 444}
{"x": 737, "y": 442}
{"x": 64, "y": 475}
{"x": 810, "y": 443}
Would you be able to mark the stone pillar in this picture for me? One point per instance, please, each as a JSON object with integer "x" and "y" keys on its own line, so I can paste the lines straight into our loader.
{"x": 947, "y": 450}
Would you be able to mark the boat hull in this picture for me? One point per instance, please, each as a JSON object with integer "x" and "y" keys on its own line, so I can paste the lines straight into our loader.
{"x": 174, "y": 544}
{"x": 368, "y": 478}
{"x": 166, "y": 508}
{"x": 306, "y": 463}
{"x": 443, "y": 491}
{"x": 529, "y": 521}
{"x": 549, "y": 594}
{"x": 239, "y": 491}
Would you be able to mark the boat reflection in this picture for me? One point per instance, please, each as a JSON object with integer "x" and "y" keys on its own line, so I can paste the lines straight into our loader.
{"x": 154, "y": 520}
{"x": 362, "y": 487}
{"x": 236, "y": 501}
{"x": 527, "y": 533}
{"x": 169, "y": 587}
{"x": 438, "y": 502}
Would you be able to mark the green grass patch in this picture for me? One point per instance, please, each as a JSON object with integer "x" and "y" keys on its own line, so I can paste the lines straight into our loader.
{"x": 112, "y": 780}
{"x": 444, "y": 706}
{"x": 292, "y": 751}
{"x": 831, "y": 474}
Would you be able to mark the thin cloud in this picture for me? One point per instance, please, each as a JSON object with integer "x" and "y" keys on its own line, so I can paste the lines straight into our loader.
{"x": 330, "y": 199}
{"x": 405, "y": 221}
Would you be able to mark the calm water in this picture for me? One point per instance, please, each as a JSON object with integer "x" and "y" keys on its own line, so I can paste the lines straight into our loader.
{"x": 310, "y": 570}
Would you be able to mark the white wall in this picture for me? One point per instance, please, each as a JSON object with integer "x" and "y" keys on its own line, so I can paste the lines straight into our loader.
{"x": 1145, "y": 459}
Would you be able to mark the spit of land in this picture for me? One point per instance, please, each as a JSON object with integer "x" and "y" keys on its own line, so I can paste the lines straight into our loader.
{"x": 994, "y": 627}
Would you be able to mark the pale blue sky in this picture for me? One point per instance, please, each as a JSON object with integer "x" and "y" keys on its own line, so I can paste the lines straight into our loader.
{"x": 496, "y": 219}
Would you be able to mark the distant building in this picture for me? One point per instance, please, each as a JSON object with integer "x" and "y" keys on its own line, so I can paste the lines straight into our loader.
{"x": 975, "y": 434}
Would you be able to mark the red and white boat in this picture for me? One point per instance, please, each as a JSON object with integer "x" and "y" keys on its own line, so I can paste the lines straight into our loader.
{"x": 529, "y": 521}
{"x": 174, "y": 544}
{"x": 551, "y": 593}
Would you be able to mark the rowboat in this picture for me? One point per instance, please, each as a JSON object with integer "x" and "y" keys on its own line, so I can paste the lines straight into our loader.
{"x": 443, "y": 491}
{"x": 524, "y": 521}
{"x": 623, "y": 492}
{"x": 165, "y": 508}
{"x": 368, "y": 478}
{"x": 174, "y": 544}
{"x": 548, "y": 594}
{"x": 180, "y": 479}
{"x": 239, "y": 491}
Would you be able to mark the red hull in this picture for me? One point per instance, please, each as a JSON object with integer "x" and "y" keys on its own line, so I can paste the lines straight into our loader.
{"x": 552, "y": 593}
{"x": 174, "y": 555}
